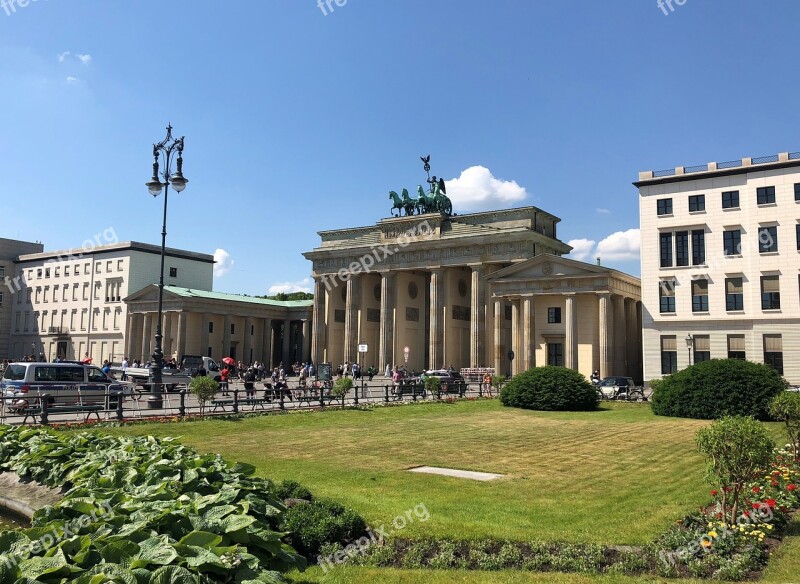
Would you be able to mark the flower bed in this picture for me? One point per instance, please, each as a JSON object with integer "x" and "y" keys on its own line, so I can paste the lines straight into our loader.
{"x": 141, "y": 510}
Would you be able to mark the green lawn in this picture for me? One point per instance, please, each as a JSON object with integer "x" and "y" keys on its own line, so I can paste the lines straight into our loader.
{"x": 616, "y": 476}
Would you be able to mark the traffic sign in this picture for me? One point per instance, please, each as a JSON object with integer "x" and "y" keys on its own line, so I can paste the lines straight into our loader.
{"x": 363, "y": 348}
{"x": 511, "y": 355}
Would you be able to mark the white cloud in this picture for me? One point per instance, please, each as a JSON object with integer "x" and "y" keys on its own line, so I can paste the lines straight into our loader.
{"x": 581, "y": 248}
{"x": 72, "y": 79}
{"x": 622, "y": 245}
{"x": 604, "y": 211}
{"x": 478, "y": 190}
{"x": 62, "y": 56}
{"x": 222, "y": 263}
{"x": 85, "y": 59}
{"x": 303, "y": 285}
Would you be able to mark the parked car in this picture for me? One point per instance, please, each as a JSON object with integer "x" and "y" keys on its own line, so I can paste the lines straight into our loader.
{"x": 619, "y": 387}
{"x": 63, "y": 382}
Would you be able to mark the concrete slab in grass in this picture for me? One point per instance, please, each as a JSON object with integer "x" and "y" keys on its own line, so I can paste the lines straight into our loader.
{"x": 460, "y": 474}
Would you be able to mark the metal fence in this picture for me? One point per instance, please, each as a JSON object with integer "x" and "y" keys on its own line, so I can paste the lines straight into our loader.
{"x": 42, "y": 405}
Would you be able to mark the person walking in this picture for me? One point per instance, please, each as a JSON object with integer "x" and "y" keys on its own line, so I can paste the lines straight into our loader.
{"x": 224, "y": 380}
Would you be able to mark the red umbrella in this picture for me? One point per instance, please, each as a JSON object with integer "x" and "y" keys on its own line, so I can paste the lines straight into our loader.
{"x": 229, "y": 360}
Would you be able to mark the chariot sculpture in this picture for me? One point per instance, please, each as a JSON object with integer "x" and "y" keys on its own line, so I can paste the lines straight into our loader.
{"x": 434, "y": 201}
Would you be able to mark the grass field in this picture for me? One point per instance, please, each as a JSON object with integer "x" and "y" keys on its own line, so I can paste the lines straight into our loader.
{"x": 616, "y": 476}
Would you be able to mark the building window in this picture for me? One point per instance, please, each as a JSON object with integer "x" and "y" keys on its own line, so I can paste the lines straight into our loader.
{"x": 767, "y": 239}
{"x": 732, "y": 242}
{"x": 97, "y": 267}
{"x": 702, "y": 348}
{"x": 734, "y": 294}
{"x": 773, "y": 352}
{"x": 555, "y": 354}
{"x": 797, "y": 191}
{"x": 1, "y": 299}
{"x": 2, "y": 271}
{"x": 38, "y": 273}
{"x": 45, "y": 293}
{"x": 770, "y": 293}
{"x": 664, "y": 206}
{"x": 173, "y": 272}
{"x": 97, "y": 290}
{"x": 765, "y": 195}
{"x": 233, "y": 329}
{"x": 119, "y": 265}
{"x": 669, "y": 355}
{"x": 730, "y": 200}
{"x": 56, "y": 272}
{"x": 108, "y": 266}
{"x": 38, "y": 294}
{"x": 797, "y": 235}
{"x": 736, "y": 347}
{"x": 75, "y": 291}
{"x": 252, "y": 329}
{"x": 697, "y": 203}
{"x": 698, "y": 247}
{"x": 87, "y": 269}
{"x": 554, "y": 315}
{"x": 682, "y": 248}
{"x": 210, "y": 326}
{"x": 666, "y": 295}
{"x": 66, "y": 270}
{"x": 700, "y": 295}
{"x": 665, "y": 244}
{"x": 55, "y": 293}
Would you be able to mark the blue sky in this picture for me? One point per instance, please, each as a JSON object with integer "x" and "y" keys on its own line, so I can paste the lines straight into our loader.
{"x": 298, "y": 121}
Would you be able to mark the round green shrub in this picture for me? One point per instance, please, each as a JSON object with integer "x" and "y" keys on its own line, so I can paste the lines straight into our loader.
{"x": 721, "y": 387}
{"x": 314, "y": 525}
{"x": 550, "y": 388}
{"x": 289, "y": 489}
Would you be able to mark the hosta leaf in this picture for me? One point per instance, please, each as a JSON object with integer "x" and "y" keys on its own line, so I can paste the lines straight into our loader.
{"x": 14, "y": 543}
{"x": 233, "y": 523}
{"x": 118, "y": 552}
{"x": 37, "y": 566}
{"x": 155, "y": 551}
{"x": 173, "y": 575}
{"x": 201, "y": 539}
{"x": 102, "y": 573}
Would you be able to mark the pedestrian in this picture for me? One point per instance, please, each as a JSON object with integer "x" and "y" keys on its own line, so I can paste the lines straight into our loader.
{"x": 201, "y": 371}
{"x": 249, "y": 383}
{"x": 224, "y": 380}
{"x": 124, "y": 368}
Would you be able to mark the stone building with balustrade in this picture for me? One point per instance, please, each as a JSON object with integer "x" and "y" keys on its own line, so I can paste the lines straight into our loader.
{"x": 486, "y": 289}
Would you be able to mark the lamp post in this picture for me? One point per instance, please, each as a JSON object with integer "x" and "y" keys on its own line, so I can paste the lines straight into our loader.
{"x": 164, "y": 150}
{"x": 690, "y": 346}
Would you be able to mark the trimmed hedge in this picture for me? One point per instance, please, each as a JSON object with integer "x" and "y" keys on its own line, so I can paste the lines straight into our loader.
{"x": 551, "y": 389}
{"x": 314, "y": 525}
{"x": 721, "y": 387}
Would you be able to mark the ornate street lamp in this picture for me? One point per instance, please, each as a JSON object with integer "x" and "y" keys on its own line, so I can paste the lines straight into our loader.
{"x": 165, "y": 150}
{"x": 690, "y": 346}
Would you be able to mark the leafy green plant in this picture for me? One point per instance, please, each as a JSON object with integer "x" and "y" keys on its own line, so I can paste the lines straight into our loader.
{"x": 785, "y": 407}
{"x": 721, "y": 387}
{"x": 203, "y": 388}
{"x": 498, "y": 381}
{"x": 433, "y": 385}
{"x": 147, "y": 510}
{"x": 738, "y": 449}
{"x": 341, "y": 387}
{"x": 319, "y": 523}
{"x": 292, "y": 490}
{"x": 550, "y": 388}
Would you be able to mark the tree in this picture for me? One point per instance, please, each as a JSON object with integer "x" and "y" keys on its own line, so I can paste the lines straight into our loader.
{"x": 433, "y": 385}
{"x": 785, "y": 407}
{"x": 203, "y": 388}
{"x": 341, "y": 387}
{"x": 738, "y": 449}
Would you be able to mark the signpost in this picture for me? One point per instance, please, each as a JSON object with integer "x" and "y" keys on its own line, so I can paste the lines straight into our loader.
{"x": 363, "y": 348}
{"x": 406, "y": 351}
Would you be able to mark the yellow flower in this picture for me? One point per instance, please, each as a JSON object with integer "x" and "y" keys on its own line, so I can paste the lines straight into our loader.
{"x": 712, "y": 533}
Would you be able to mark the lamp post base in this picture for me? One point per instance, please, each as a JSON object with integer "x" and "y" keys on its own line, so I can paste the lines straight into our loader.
{"x": 155, "y": 402}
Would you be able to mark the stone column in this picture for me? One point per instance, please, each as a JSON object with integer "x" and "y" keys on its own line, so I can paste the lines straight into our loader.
{"x": 386, "y": 347}
{"x": 129, "y": 334}
{"x": 248, "y": 339}
{"x": 571, "y": 337}
{"x": 135, "y": 336}
{"x": 436, "y": 351}
{"x": 477, "y": 351}
{"x": 168, "y": 342}
{"x": 515, "y": 336}
{"x": 180, "y": 342}
{"x": 266, "y": 346}
{"x": 305, "y": 351}
{"x": 528, "y": 350}
{"x": 287, "y": 329}
{"x": 226, "y": 336}
{"x": 205, "y": 318}
{"x": 605, "y": 335}
{"x": 318, "y": 323}
{"x": 620, "y": 356}
{"x": 351, "y": 307}
{"x": 497, "y": 350}
{"x": 147, "y": 334}
{"x": 631, "y": 336}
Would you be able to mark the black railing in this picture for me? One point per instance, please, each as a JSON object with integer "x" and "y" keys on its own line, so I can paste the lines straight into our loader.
{"x": 765, "y": 159}
{"x": 729, "y": 164}
{"x": 51, "y": 406}
{"x": 667, "y": 172}
{"x": 697, "y": 168}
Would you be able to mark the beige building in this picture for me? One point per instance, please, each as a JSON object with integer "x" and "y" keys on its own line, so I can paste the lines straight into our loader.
{"x": 70, "y": 302}
{"x": 215, "y": 324}
{"x": 10, "y": 250}
{"x": 720, "y": 264}
{"x": 433, "y": 291}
